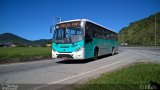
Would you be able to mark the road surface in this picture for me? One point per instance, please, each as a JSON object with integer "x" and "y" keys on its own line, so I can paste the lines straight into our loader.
{"x": 55, "y": 74}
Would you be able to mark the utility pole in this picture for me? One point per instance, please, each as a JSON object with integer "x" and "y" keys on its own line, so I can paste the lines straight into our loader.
{"x": 122, "y": 37}
{"x": 155, "y": 31}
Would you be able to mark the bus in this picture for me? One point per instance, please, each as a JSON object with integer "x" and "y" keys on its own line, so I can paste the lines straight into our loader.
{"x": 82, "y": 39}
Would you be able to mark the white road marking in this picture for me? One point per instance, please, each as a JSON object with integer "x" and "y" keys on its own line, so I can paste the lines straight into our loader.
{"x": 74, "y": 76}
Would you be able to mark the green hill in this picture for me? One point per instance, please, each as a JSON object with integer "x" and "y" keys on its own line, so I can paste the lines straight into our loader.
{"x": 141, "y": 32}
{"x": 9, "y": 38}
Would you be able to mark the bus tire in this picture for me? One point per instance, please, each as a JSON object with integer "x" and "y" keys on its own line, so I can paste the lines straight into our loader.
{"x": 113, "y": 51}
{"x": 95, "y": 54}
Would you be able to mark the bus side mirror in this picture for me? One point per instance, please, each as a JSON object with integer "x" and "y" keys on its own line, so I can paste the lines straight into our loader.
{"x": 50, "y": 29}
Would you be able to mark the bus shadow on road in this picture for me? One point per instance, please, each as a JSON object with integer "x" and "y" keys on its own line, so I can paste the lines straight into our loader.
{"x": 82, "y": 61}
{"x": 74, "y": 61}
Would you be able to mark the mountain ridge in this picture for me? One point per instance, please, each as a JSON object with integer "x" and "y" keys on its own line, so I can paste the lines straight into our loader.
{"x": 9, "y": 38}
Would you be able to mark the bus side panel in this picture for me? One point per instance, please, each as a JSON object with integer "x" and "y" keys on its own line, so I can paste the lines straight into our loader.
{"x": 89, "y": 50}
{"x": 105, "y": 46}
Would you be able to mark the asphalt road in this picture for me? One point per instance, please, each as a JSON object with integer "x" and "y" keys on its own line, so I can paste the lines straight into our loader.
{"x": 56, "y": 73}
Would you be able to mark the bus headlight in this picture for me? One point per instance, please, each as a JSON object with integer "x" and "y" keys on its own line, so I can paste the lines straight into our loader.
{"x": 54, "y": 54}
{"x": 79, "y": 54}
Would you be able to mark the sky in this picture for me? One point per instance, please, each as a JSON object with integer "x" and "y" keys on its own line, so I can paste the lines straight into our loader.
{"x": 31, "y": 19}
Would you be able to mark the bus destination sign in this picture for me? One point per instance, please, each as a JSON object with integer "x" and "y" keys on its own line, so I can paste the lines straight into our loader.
{"x": 69, "y": 24}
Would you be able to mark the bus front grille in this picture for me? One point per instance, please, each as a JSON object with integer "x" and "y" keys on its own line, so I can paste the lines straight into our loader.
{"x": 64, "y": 56}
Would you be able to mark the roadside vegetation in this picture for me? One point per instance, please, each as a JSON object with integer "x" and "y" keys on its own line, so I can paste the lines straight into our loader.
{"x": 134, "y": 77}
{"x": 141, "y": 32}
{"x": 18, "y": 54}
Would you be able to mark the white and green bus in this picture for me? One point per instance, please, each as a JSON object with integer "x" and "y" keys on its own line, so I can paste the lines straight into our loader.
{"x": 82, "y": 39}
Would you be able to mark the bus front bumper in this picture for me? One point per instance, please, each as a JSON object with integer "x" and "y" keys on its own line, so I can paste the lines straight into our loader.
{"x": 73, "y": 55}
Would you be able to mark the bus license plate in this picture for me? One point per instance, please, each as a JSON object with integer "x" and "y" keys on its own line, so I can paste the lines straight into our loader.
{"x": 64, "y": 58}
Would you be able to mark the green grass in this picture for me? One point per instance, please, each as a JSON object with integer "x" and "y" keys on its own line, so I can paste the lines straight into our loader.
{"x": 134, "y": 77}
{"x": 9, "y": 54}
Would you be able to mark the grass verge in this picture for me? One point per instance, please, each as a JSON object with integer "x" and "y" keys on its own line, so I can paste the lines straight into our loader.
{"x": 18, "y": 54}
{"x": 134, "y": 77}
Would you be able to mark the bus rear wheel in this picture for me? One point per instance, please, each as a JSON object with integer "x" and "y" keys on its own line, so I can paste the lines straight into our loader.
{"x": 113, "y": 51}
{"x": 95, "y": 54}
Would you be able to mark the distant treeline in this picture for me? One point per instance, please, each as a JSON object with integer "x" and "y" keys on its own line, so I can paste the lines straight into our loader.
{"x": 141, "y": 32}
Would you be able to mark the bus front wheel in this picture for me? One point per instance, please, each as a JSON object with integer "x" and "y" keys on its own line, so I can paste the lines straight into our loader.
{"x": 95, "y": 54}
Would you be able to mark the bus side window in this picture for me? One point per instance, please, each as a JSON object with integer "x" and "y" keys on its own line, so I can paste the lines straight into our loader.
{"x": 88, "y": 33}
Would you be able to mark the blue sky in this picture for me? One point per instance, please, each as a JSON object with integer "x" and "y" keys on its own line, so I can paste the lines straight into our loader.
{"x": 31, "y": 19}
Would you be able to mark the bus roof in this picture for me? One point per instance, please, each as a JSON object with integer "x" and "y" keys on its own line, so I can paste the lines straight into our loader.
{"x": 85, "y": 21}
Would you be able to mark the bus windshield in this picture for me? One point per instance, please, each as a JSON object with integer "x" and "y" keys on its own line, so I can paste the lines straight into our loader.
{"x": 67, "y": 35}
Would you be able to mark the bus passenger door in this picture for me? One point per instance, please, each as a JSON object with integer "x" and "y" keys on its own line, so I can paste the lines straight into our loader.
{"x": 88, "y": 42}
